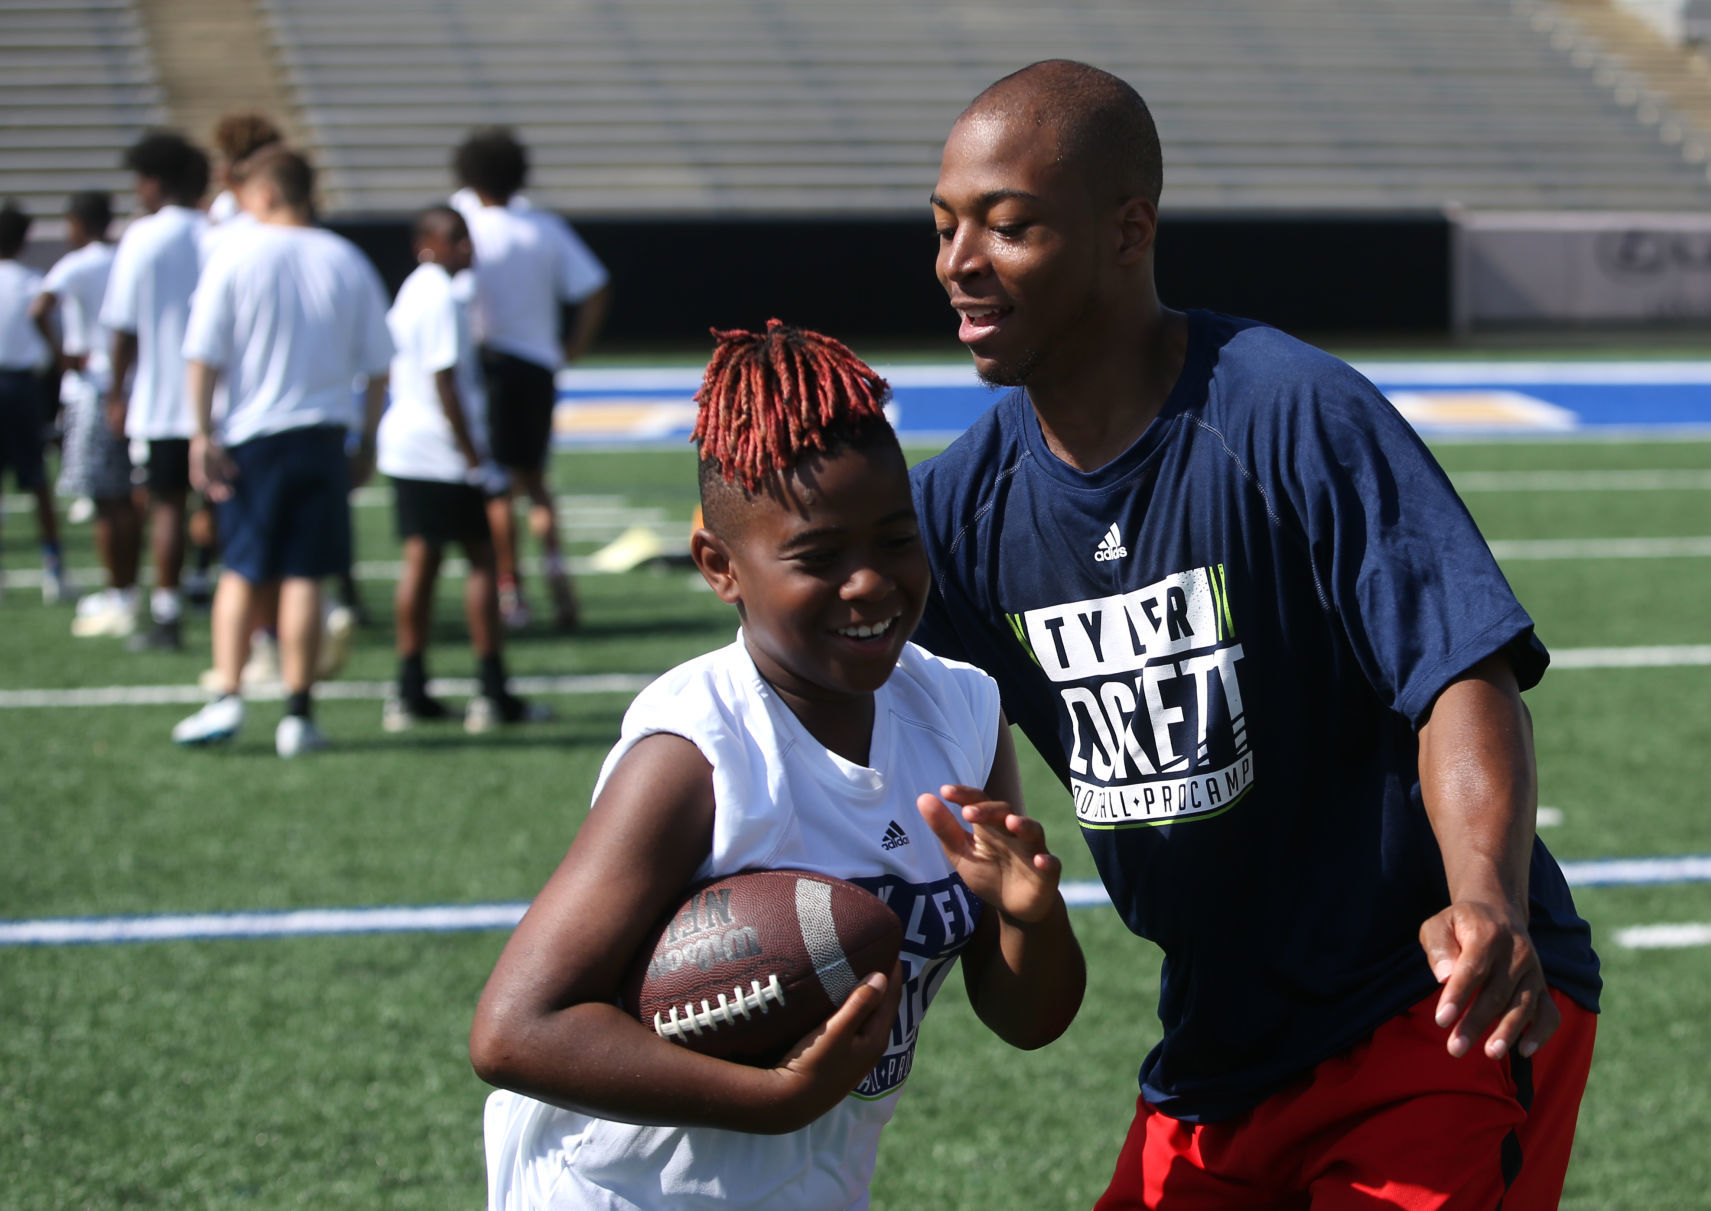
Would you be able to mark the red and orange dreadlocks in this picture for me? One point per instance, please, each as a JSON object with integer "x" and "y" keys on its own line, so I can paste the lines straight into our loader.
{"x": 769, "y": 399}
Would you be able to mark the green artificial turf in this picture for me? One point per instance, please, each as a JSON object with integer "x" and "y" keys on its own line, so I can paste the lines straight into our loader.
{"x": 331, "y": 1071}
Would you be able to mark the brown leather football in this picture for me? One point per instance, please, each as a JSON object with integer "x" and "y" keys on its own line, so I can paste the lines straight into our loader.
{"x": 749, "y": 964}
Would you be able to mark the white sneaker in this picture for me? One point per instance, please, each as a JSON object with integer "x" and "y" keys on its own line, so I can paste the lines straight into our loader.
{"x": 336, "y": 628}
{"x": 81, "y": 511}
{"x": 115, "y": 617}
{"x": 94, "y": 603}
{"x": 215, "y": 723}
{"x": 296, "y": 735}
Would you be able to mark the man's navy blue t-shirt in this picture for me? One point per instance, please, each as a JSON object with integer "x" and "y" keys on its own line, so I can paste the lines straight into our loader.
{"x": 1223, "y": 642}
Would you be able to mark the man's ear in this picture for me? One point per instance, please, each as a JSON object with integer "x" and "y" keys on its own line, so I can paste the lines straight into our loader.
{"x": 713, "y": 558}
{"x": 1137, "y": 230}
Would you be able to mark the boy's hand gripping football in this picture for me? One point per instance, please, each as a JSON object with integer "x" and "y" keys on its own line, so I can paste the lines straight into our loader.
{"x": 832, "y": 1059}
{"x": 1003, "y": 860}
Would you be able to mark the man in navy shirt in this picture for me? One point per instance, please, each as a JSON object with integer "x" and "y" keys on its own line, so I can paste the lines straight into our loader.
{"x": 1235, "y": 603}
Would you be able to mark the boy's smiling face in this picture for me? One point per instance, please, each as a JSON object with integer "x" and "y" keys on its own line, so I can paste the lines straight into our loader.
{"x": 828, "y": 573}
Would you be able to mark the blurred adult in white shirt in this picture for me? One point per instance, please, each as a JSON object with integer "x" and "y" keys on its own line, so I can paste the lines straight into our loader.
{"x": 528, "y": 264}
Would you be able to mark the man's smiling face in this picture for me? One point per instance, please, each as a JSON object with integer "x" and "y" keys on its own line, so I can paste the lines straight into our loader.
{"x": 1020, "y": 247}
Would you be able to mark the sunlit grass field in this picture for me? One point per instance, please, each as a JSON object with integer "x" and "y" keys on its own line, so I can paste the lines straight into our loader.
{"x": 331, "y": 1071}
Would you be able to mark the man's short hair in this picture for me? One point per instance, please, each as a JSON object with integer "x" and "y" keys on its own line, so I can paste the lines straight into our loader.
{"x": 1104, "y": 127}
{"x": 492, "y": 162}
{"x": 168, "y": 157}
{"x": 94, "y": 209}
{"x": 287, "y": 171}
{"x": 239, "y": 135}
{"x": 14, "y": 228}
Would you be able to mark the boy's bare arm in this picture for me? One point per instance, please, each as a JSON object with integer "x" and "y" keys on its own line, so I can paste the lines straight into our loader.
{"x": 445, "y": 386}
{"x": 590, "y": 318}
{"x": 373, "y": 404}
{"x": 123, "y": 357}
{"x": 211, "y": 469}
{"x": 1023, "y": 969}
{"x": 548, "y": 1026}
{"x": 41, "y": 315}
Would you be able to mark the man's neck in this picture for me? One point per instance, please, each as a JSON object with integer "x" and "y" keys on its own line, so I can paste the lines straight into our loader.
{"x": 1101, "y": 406}
{"x": 283, "y": 216}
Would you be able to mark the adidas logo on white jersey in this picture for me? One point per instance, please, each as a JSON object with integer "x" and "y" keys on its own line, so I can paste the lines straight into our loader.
{"x": 1110, "y": 547}
{"x": 895, "y": 837}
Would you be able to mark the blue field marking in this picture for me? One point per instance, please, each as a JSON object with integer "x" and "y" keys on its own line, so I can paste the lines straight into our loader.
{"x": 1442, "y": 399}
{"x": 465, "y": 918}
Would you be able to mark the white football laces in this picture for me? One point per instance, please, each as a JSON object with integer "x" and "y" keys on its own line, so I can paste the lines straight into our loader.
{"x": 692, "y": 1021}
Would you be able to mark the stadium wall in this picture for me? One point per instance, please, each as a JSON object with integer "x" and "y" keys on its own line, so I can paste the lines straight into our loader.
{"x": 871, "y": 279}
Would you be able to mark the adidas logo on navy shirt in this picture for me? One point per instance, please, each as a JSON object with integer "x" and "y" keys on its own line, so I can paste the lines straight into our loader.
{"x": 895, "y": 837}
{"x": 1110, "y": 547}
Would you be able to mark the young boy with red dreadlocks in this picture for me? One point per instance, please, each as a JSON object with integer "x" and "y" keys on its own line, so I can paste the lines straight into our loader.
{"x": 820, "y": 739}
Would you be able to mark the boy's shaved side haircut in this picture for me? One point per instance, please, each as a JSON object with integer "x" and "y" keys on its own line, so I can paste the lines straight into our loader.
{"x": 1104, "y": 127}
{"x": 240, "y": 135}
{"x": 491, "y": 161}
{"x": 287, "y": 171}
{"x": 177, "y": 163}
{"x": 14, "y": 228}
{"x": 771, "y": 400}
{"x": 92, "y": 208}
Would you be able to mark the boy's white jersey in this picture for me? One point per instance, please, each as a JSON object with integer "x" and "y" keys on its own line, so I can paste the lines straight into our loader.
{"x": 527, "y": 261}
{"x": 430, "y": 327}
{"x": 292, "y": 317}
{"x": 782, "y": 800}
{"x": 78, "y": 283}
{"x": 148, "y": 293}
{"x": 21, "y": 346}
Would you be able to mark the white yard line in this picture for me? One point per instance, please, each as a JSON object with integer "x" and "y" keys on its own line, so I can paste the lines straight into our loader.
{"x": 1695, "y": 655}
{"x": 617, "y": 683}
{"x": 448, "y": 918}
{"x": 1664, "y": 937}
{"x": 188, "y": 695}
{"x": 1582, "y": 481}
{"x": 1548, "y": 549}
{"x": 1696, "y": 547}
{"x": 363, "y": 569}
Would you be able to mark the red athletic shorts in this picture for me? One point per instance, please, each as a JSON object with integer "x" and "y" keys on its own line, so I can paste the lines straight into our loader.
{"x": 1391, "y": 1122}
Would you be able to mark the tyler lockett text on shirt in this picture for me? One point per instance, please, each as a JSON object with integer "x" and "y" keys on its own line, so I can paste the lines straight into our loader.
{"x": 1150, "y": 686}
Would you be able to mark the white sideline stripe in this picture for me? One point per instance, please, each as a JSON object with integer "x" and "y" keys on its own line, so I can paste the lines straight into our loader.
{"x": 1678, "y": 657}
{"x": 1690, "y": 656}
{"x": 1582, "y": 481}
{"x": 189, "y": 695}
{"x": 1664, "y": 937}
{"x": 1602, "y": 548}
{"x": 454, "y": 918}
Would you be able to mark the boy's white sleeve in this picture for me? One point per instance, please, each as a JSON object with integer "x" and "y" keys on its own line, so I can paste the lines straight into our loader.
{"x": 374, "y": 341}
{"x": 435, "y": 335}
{"x": 119, "y": 303}
{"x": 580, "y": 272}
{"x": 208, "y": 334}
{"x": 56, "y": 279}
